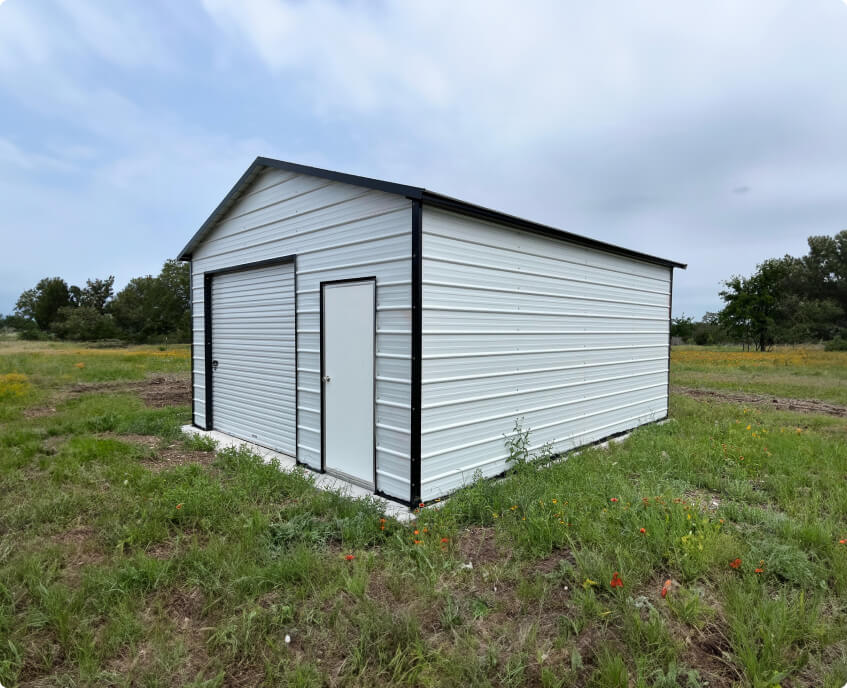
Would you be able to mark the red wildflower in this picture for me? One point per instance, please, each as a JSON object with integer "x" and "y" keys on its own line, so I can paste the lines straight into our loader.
{"x": 179, "y": 506}
{"x": 417, "y": 532}
{"x": 613, "y": 499}
{"x": 443, "y": 540}
{"x": 349, "y": 557}
{"x": 735, "y": 563}
{"x": 417, "y": 542}
{"x": 666, "y": 587}
{"x": 759, "y": 570}
{"x": 616, "y": 581}
{"x": 842, "y": 542}
{"x": 421, "y": 505}
{"x": 643, "y": 531}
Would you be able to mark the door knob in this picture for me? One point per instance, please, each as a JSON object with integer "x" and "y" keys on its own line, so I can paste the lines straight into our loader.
{"x": 327, "y": 378}
{"x": 214, "y": 365}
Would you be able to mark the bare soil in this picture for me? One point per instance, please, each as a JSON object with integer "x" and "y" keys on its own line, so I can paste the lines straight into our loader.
{"x": 777, "y": 403}
{"x": 157, "y": 391}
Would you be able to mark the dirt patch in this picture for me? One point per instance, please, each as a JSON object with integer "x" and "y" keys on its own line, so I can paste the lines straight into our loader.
{"x": 147, "y": 441}
{"x": 81, "y": 549}
{"x": 479, "y": 546}
{"x": 777, "y": 403}
{"x": 170, "y": 458}
{"x": 39, "y": 412}
{"x": 163, "y": 457}
{"x": 157, "y": 391}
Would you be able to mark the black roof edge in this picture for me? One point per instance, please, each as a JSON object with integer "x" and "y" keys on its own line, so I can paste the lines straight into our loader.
{"x": 414, "y": 193}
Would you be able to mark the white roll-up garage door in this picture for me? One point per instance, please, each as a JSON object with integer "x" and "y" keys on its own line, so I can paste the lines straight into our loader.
{"x": 253, "y": 368}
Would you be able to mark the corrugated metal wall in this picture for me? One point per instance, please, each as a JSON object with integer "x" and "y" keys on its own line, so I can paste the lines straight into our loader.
{"x": 515, "y": 324}
{"x": 338, "y": 231}
{"x": 253, "y": 342}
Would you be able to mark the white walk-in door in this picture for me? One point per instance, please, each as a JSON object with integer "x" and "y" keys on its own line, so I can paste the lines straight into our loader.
{"x": 347, "y": 339}
{"x": 253, "y": 380}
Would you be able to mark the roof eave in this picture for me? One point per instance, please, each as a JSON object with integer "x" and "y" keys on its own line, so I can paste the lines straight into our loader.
{"x": 497, "y": 217}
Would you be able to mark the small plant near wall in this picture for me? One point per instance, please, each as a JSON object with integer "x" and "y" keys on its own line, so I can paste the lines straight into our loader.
{"x": 517, "y": 442}
{"x": 518, "y": 445}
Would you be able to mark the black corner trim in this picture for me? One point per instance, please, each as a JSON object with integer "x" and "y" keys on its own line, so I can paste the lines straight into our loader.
{"x": 207, "y": 348}
{"x": 417, "y": 350}
{"x": 191, "y": 329}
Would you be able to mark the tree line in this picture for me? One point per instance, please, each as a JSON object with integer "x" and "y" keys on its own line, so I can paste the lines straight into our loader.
{"x": 148, "y": 309}
{"x": 786, "y": 300}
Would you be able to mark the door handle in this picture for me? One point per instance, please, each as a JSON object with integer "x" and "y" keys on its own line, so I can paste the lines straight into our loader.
{"x": 214, "y": 365}
{"x": 327, "y": 378}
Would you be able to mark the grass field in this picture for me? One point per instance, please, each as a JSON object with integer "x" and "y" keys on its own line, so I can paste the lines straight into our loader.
{"x": 131, "y": 555}
{"x": 789, "y": 372}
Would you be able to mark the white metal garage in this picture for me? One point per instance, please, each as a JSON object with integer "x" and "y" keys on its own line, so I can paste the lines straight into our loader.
{"x": 391, "y": 335}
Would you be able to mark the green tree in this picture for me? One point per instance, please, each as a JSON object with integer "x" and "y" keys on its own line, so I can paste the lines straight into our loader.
{"x": 84, "y": 323}
{"x": 752, "y": 308}
{"x": 152, "y": 308}
{"x": 682, "y": 327}
{"x": 41, "y": 304}
{"x": 97, "y": 293}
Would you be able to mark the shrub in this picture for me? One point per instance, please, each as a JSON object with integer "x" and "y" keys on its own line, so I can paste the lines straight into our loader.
{"x": 837, "y": 344}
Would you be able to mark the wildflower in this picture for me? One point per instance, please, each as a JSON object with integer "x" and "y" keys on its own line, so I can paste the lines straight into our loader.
{"x": 417, "y": 542}
{"x": 759, "y": 570}
{"x": 417, "y": 532}
{"x": 747, "y": 428}
{"x": 587, "y": 583}
{"x": 555, "y": 501}
{"x": 79, "y": 365}
{"x": 513, "y": 507}
{"x": 842, "y": 542}
{"x": 666, "y": 587}
{"x": 382, "y": 527}
{"x": 421, "y": 505}
{"x": 613, "y": 499}
{"x": 444, "y": 540}
{"x": 179, "y": 506}
{"x": 643, "y": 531}
{"x": 741, "y": 458}
{"x": 349, "y": 557}
{"x": 616, "y": 581}
{"x": 382, "y": 520}
{"x": 735, "y": 563}
{"x": 426, "y": 530}
{"x": 494, "y": 515}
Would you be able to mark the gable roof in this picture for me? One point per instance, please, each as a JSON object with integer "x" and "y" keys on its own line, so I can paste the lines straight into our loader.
{"x": 415, "y": 193}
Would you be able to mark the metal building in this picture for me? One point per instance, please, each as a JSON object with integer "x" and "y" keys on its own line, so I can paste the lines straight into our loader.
{"x": 392, "y": 336}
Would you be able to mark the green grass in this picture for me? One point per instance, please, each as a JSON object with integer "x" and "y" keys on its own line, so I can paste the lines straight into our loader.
{"x": 116, "y": 571}
{"x": 795, "y": 373}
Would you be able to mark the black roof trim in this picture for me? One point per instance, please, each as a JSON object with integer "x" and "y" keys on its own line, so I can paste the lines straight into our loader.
{"x": 414, "y": 193}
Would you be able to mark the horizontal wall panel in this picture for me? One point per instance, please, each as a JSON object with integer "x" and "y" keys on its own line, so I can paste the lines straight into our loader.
{"x": 571, "y": 340}
{"x": 337, "y": 231}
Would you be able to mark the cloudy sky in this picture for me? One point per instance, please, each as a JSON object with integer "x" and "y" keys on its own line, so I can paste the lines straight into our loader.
{"x": 714, "y": 133}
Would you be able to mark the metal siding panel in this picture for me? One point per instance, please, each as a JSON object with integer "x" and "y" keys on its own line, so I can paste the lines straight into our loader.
{"x": 572, "y": 340}
{"x": 337, "y": 231}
